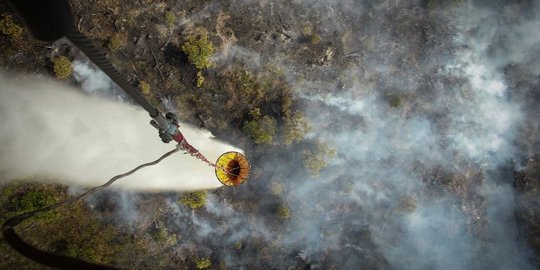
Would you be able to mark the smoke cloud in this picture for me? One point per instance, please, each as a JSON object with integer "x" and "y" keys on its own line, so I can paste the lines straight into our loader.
{"x": 428, "y": 111}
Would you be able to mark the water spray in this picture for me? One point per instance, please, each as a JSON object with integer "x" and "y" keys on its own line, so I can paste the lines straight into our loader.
{"x": 51, "y": 20}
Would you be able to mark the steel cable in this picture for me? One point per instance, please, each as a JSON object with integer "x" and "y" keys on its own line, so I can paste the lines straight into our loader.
{"x": 101, "y": 60}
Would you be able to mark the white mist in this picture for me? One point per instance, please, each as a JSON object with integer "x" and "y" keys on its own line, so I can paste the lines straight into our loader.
{"x": 54, "y": 132}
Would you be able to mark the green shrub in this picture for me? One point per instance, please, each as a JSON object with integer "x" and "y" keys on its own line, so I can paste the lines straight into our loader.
{"x": 145, "y": 87}
{"x": 163, "y": 237}
{"x": 19, "y": 197}
{"x": 315, "y": 161}
{"x": 244, "y": 91}
{"x": 170, "y": 18}
{"x": 283, "y": 212}
{"x": 295, "y": 128}
{"x": 62, "y": 67}
{"x": 262, "y": 130}
{"x": 286, "y": 102}
{"x": 9, "y": 28}
{"x": 194, "y": 200}
{"x": 117, "y": 41}
{"x": 200, "y": 79}
{"x": 203, "y": 263}
{"x": 394, "y": 101}
{"x": 314, "y": 39}
{"x": 199, "y": 49}
{"x": 33, "y": 200}
{"x": 407, "y": 204}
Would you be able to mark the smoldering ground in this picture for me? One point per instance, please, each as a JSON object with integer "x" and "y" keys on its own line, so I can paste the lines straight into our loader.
{"x": 428, "y": 123}
{"x": 429, "y": 105}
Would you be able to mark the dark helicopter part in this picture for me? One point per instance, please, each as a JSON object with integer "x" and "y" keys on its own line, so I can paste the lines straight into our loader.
{"x": 47, "y": 20}
{"x": 101, "y": 60}
{"x": 50, "y": 20}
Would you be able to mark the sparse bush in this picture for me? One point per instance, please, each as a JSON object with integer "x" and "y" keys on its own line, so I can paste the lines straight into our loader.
{"x": 283, "y": 212}
{"x": 394, "y": 101}
{"x": 262, "y": 130}
{"x": 407, "y": 204}
{"x": 162, "y": 236}
{"x": 457, "y": 184}
{"x": 200, "y": 79}
{"x": 295, "y": 128}
{"x": 314, "y": 39}
{"x": 145, "y": 87}
{"x": 10, "y": 28}
{"x": 244, "y": 90}
{"x": 314, "y": 162}
{"x": 194, "y": 200}
{"x": 19, "y": 197}
{"x": 308, "y": 36}
{"x": 117, "y": 41}
{"x": 62, "y": 67}
{"x": 33, "y": 200}
{"x": 276, "y": 188}
{"x": 170, "y": 18}
{"x": 286, "y": 102}
{"x": 203, "y": 263}
{"x": 199, "y": 49}
{"x": 255, "y": 113}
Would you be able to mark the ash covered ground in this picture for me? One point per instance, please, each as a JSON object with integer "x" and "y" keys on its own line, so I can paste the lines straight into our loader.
{"x": 382, "y": 134}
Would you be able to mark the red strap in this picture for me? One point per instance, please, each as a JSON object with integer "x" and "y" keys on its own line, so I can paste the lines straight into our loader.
{"x": 190, "y": 149}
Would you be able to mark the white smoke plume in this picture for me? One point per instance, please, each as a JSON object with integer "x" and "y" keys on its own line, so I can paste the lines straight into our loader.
{"x": 449, "y": 142}
{"x": 50, "y": 131}
{"x": 469, "y": 124}
{"x": 95, "y": 82}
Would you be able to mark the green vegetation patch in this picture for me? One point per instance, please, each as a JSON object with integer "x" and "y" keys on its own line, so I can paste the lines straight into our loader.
{"x": 194, "y": 200}
{"x": 295, "y": 128}
{"x": 117, "y": 41}
{"x": 69, "y": 230}
{"x": 395, "y": 101}
{"x": 145, "y": 87}
{"x": 314, "y": 161}
{"x": 199, "y": 50}
{"x": 203, "y": 263}
{"x": 283, "y": 212}
{"x": 170, "y": 18}
{"x": 162, "y": 236}
{"x": 20, "y": 198}
{"x": 10, "y": 28}
{"x": 62, "y": 67}
{"x": 262, "y": 130}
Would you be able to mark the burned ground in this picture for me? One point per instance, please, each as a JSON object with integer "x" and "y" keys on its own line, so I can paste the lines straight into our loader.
{"x": 378, "y": 81}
